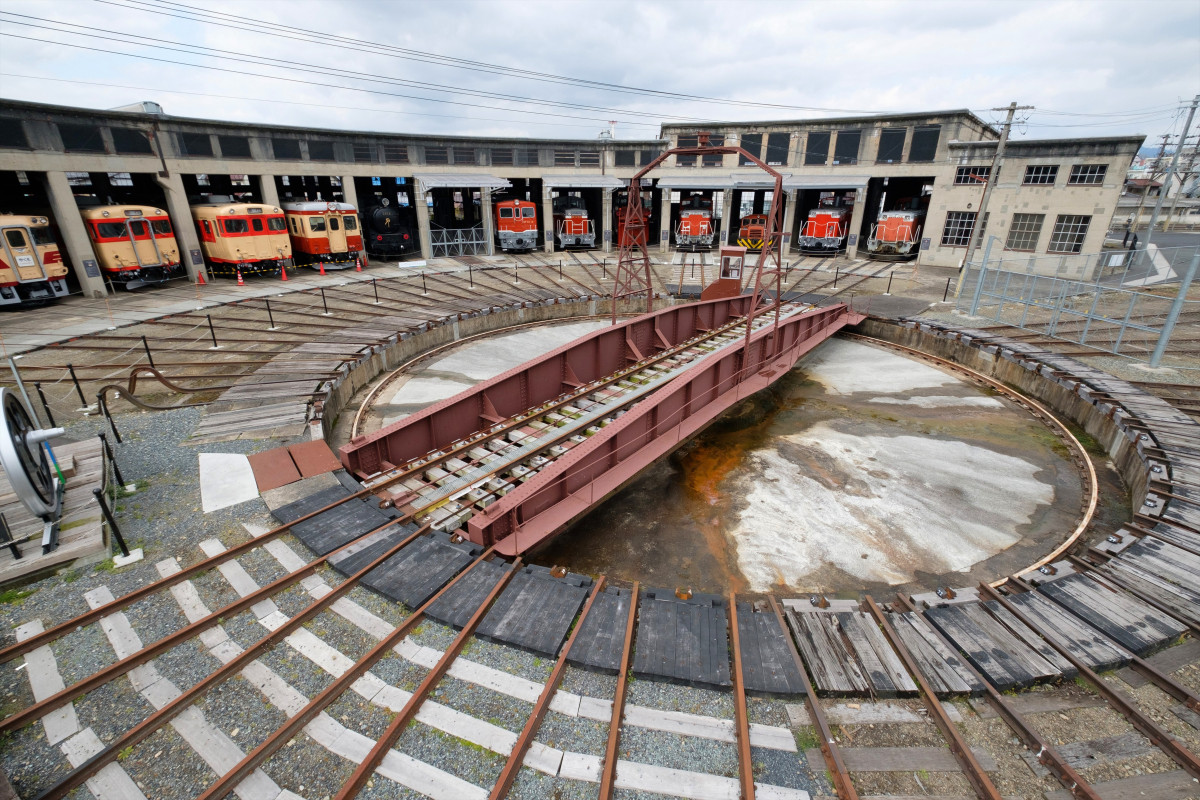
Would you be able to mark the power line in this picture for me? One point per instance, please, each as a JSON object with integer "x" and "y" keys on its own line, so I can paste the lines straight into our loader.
{"x": 288, "y": 32}
{"x": 299, "y": 103}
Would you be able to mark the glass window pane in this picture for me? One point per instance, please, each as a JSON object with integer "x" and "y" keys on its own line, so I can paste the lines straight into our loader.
{"x": 924, "y": 143}
{"x": 845, "y": 149}
{"x": 816, "y": 150}
{"x": 891, "y": 145}
{"x": 1024, "y": 232}
{"x": 351, "y": 223}
{"x": 235, "y": 226}
{"x": 257, "y": 224}
{"x": 316, "y": 224}
{"x": 334, "y": 224}
{"x": 275, "y": 224}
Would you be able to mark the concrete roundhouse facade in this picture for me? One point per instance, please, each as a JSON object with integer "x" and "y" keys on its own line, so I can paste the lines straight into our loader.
{"x": 52, "y": 157}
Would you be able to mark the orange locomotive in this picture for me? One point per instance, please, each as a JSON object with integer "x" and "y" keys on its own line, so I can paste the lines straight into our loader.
{"x": 572, "y": 227}
{"x": 324, "y": 233}
{"x": 248, "y": 237}
{"x": 695, "y": 229}
{"x": 516, "y": 224}
{"x": 135, "y": 245}
{"x": 824, "y": 231}
{"x": 896, "y": 236}
{"x": 31, "y": 267}
{"x": 752, "y": 232}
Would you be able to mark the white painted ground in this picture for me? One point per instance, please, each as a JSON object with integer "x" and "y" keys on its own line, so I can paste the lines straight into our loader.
{"x": 907, "y": 502}
{"x": 226, "y": 479}
{"x": 479, "y": 361}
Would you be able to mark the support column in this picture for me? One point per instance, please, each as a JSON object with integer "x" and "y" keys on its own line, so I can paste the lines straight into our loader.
{"x": 547, "y": 218}
{"x": 421, "y": 207}
{"x": 606, "y": 227}
{"x": 489, "y": 223}
{"x": 726, "y": 214}
{"x": 185, "y": 230}
{"x": 74, "y": 235}
{"x": 664, "y": 221}
{"x": 789, "y": 219}
{"x": 270, "y": 194}
{"x": 349, "y": 192}
{"x": 856, "y": 218}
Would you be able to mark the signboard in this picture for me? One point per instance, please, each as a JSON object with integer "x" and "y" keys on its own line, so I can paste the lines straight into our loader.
{"x": 787, "y": 236}
{"x": 674, "y": 197}
{"x": 26, "y": 261}
{"x": 90, "y": 268}
{"x": 607, "y": 235}
{"x": 925, "y": 243}
{"x": 664, "y": 235}
{"x": 197, "y": 259}
{"x": 853, "y": 240}
{"x": 376, "y": 182}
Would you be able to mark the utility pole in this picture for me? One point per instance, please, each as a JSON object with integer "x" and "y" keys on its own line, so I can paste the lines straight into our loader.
{"x": 1171, "y": 172}
{"x": 1183, "y": 179}
{"x": 1155, "y": 171}
{"x": 997, "y": 160}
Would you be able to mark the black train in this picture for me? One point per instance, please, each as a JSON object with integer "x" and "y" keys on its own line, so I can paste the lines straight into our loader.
{"x": 390, "y": 232}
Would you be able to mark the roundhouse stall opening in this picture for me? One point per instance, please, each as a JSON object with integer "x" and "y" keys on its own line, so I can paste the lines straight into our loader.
{"x": 249, "y": 238}
{"x": 526, "y": 189}
{"x": 459, "y": 206}
{"x": 650, "y": 197}
{"x": 577, "y": 204}
{"x": 894, "y": 217}
{"x": 31, "y": 265}
{"x": 747, "y": 219}
{"x": 694, "y": 226}
{"x": 324, "y": 234}
{"x": 135, "y": 246}
{"x": 822, "y": 220}
{"x": 516, "y": 225}
{"x": 298, "y": 188}
{"x": 387, "y": 217}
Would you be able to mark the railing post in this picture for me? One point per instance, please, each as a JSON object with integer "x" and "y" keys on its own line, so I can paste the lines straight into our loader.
{"x": 212, "y": 332}
{"x": 149, "y": 357}
{"x": 1176, "y": 307}
{"x": 82, "y": 400}
{"x": 45, "y": 405}
{"x": 271, "y": 317}
{"x": 112, "y": 522}
{"x": 112, "y": 459}
{"x": 987, "y": 251}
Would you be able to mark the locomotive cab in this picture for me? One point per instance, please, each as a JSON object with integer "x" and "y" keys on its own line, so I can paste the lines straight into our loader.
{"x": 388, "y": 232}
{"x": 753, "y": 231}
{"x": 31, "y": 267}
{"x": 135, "y": 245}
{"x": 572, "y": 227}
{"x": 824, "y": 230}
{"x": 516, "y": 224}
{"x": 695, "y": 229}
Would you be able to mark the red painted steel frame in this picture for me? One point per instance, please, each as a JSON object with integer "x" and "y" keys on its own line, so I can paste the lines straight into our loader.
{"x": 543, "y": 379}
{"x": 572, "y": 484}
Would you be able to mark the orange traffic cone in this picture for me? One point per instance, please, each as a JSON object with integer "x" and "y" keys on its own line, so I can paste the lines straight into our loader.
{"x": 200, "y": 279}
{"x": 322, "y": 267}
{"x": 240, "y": 281}
{"x": 357, "y": 264}
{"x": 283, "y": 273}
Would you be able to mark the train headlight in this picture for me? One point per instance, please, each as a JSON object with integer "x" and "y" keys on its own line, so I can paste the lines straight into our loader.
{"x": 105, "y": 214}
{"x": 6, "y": 293}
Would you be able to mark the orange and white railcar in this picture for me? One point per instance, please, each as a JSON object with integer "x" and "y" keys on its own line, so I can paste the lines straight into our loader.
{"x": 31, "y": 267}
{"x": 572, "y": 227}
{"x": 135, "y": 245}
{"x": 324, "y": 233}
{"x": 248, "y": 237}
{"x": 824, "y": 230}
{"x": 695, "y": 228}
{"x": 516, "y": 224}
{"x": 896, "y": 236}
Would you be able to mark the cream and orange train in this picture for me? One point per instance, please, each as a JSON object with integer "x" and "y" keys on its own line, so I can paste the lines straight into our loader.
{"x": 251, "y": 238}
{"x": 324, "y": 233}
{"x": 134, "y": 245}
{"x": 31, "y": 267}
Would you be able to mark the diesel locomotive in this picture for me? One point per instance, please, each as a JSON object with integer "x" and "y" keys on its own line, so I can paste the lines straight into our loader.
{"x": 134, "y": 245}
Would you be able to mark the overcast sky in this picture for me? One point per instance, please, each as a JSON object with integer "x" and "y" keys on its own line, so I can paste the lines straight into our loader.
{"x": 1091, "y": 68}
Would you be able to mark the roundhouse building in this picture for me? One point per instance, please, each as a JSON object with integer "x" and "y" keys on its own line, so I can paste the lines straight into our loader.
{"x": 1052, "y": 196}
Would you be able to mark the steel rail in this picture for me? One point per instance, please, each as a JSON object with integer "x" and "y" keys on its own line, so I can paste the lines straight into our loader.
{"x": 1080, "y": 456}
{"x": 958, "y": 746}
{"x": 1147, "y": 670}
{"x": 1120, "y": 583}
{"x": 515, "y": 759}
{"x": 162, "y": 716}
{"x": 149, "y": 652}
{"x": 830, "y": 751}
{"x": 608, "y": 771}
{"x": 252, "y": 760}
{"x": 741, "y": 720}
{"x": 1117, "y": 700}
{"x": 1046, "y": 755}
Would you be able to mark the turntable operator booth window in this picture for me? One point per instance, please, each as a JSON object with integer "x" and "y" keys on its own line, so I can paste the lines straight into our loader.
{"x": 732, "y": 259}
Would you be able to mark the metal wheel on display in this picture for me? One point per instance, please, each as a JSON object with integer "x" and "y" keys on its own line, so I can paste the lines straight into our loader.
{"x": 28, "y": 464}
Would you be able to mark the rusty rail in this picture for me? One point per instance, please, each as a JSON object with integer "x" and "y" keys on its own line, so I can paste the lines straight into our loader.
{"x": 1047, "y": 756}
{"x": 829, "y": 749}
{"x": 1161, "y": 738}
{"x": 966, "y": 758}
{"x": 608, "y": 772}
{"x": 741, "y": 719}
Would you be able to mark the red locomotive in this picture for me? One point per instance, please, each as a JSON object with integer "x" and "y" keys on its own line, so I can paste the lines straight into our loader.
{"x": 572, "y": 227}
{"x": 695, "y": 229}
{"x": 824, "y": 231}
{"x": 752, "y": 232}
{"x": 516, "y": 224}
{"x": 621, "y": 201}
{"x": 896, "y": 236}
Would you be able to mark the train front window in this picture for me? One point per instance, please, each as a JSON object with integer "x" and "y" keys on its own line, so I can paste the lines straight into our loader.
{"x": 42, "y": 236}
{"x": 257, "y": 223}
{"x": 351, "y": 223}
{"x": 235, "y": 226}
{"x": 15, "y": 238}
{"x": 334, "y": 225}
{"x": 108, "y": 230}
{"x": 138, "y": 229}
{"x": 506, "y": 213}
{"x": 161, "y": 227}
{"x": 528, "y": 212}
{"x": 276, "y": 224}
{"x": 316, "y": 224}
